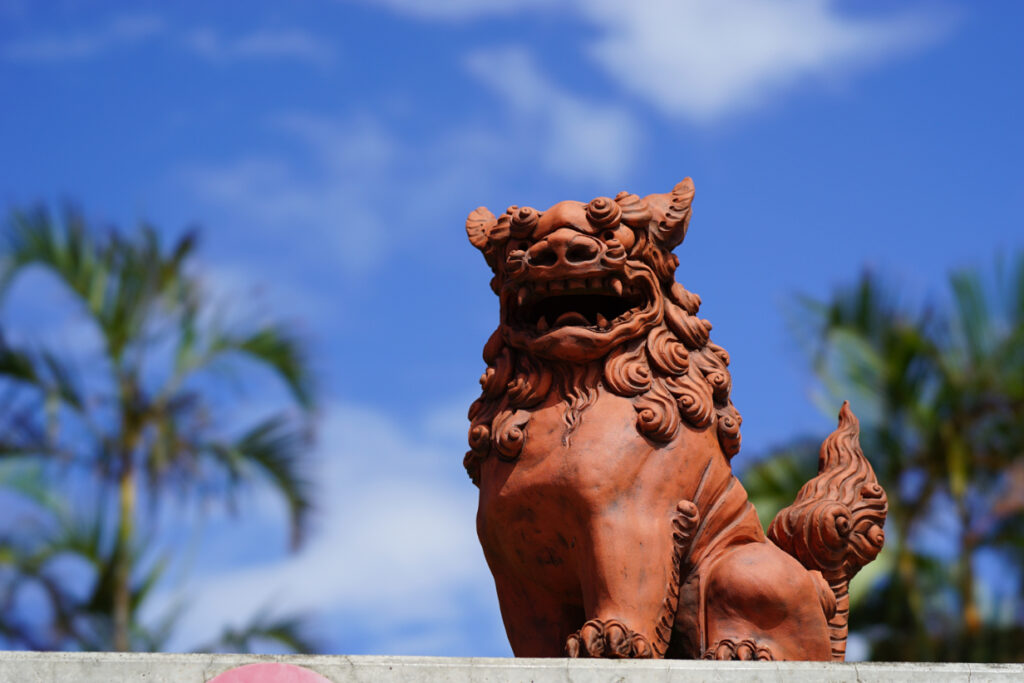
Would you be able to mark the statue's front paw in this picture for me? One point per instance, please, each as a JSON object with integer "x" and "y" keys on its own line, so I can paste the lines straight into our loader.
{"x": 608, "y": 638}
{"x": 738, "y": 650}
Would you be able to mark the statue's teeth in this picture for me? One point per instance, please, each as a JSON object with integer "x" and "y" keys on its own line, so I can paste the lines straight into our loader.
{"x": 542, "y": 324}
{"x": 594, "y": 283}
{"x": 556, "y": 285}
{"x": 601, "y": 321}
{"x": 616, "y": 286}
{"x": 521, "y": 297}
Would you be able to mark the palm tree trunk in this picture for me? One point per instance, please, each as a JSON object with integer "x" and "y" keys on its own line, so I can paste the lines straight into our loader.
{"x": 969, "y": 608}
{"x": 915, "y": 642}
{"x": 123, "y": 559}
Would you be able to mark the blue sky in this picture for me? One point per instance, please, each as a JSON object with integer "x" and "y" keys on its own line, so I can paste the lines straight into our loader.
{"x": 331, "y": 152}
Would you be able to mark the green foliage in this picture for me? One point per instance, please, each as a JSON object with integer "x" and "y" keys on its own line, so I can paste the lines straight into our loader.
{"x": 940, "y": 390}
{"x": 143, "y": 417}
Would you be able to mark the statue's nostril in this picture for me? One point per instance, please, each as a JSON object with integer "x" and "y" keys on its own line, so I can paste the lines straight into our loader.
{"x": 581, "y": 252}
{"x": 545, "y": 256}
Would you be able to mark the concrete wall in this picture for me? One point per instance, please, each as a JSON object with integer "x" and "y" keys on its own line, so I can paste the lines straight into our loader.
{"x": 43, "y": 667}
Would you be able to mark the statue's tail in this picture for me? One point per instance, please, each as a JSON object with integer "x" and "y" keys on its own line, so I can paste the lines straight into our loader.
{"x": 835, "y": 524}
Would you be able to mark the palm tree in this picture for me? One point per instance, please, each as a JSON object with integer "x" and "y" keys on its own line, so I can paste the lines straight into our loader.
{"x": 142, "y": 416}
{"x": 940, "y": 388}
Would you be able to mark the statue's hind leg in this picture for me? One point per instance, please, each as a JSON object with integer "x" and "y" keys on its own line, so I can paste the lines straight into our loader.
{"x": 760, "y": 603}
{"x": 631, "y": 586}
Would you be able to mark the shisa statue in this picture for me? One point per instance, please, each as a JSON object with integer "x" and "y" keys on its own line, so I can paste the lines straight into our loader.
{"x": 609, "y": 514}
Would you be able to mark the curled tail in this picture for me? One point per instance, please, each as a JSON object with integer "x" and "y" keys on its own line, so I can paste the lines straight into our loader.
{"x": 835, "y": 524}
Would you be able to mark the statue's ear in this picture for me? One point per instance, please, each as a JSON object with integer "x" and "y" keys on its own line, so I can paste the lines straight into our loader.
{"x": 671, "y": 214}
{"x": 478, "y": 227}
{"x": 484, "y": 230}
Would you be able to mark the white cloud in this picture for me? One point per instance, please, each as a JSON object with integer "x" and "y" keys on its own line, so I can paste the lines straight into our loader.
{"x": 571, "y": 136}
{"x": 397, "y": 545}
{"x": 119, "y": 31}
{"x": 702, "y": 60}
{"x": 262, "y": 44}
{"x": 705, "y": 59}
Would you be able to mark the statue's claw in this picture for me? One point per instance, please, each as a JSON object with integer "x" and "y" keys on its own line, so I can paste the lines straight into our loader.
{"x": 746, "y": 650}
{"x": 608, "y": 638}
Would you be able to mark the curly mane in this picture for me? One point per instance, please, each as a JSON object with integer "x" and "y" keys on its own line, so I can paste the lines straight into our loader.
{"x": 673, "y": 374}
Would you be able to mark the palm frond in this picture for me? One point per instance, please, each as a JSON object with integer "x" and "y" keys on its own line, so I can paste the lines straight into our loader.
{"x": 274, "y": 450}
{"x": 150, "y": 311}
{"x": 278, "y": 349}
{"x": 289, "y": 632}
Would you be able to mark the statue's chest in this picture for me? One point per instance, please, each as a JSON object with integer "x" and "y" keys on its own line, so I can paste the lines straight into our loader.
{"x": 568, "y": 461}
{"x": 596, "y": 441}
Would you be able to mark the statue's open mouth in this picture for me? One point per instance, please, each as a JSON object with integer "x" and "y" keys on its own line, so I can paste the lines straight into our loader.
{"x": 594, "y": 303}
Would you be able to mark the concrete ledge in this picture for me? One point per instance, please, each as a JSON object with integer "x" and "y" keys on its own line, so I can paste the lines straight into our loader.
{"x": 43, "y": 667}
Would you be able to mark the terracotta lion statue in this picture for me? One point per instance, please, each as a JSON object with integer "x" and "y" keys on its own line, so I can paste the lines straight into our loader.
{"x": 609, "y": 514}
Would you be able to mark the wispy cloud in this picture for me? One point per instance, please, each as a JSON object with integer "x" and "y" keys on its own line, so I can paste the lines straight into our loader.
{"x": 396, "y": 549}
{"x": 118, "y": 32}
{"x": 571, "y": 136}
{"x": 357, "y": 190}
{"x": 130, "y": 30}
{"x": 703, "y": 60}
{"x": 252, "y": 298}
{"x": 263, "y": 44}
{"x": 327, "y": 191}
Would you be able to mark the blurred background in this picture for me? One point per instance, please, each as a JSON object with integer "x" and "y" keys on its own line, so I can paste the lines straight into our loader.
{"x": 242, "y": 324}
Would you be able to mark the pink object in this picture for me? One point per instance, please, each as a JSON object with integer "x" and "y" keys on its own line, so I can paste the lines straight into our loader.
{"x": 270, "y": 672}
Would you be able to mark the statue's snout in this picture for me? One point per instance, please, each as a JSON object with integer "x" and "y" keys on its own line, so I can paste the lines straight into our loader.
{"x": 564, "y": 247}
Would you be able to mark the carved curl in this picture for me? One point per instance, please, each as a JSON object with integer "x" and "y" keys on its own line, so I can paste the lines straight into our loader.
{"x": 657, "y": 417}
{"x": 626, "y": 371}
{"x": 496, "y": 378}
{"x": 684, "y": 298}
{"x": 729, "y": 422}
{"x": 715, "y": 373}
{"x": 522, "y": 221}
{"x": 691, "y": 330}
{"x": 531, "y": 383}
{"x": 693, "y": 396}
{"x": 509, "y": 433}
{"x": 603, "y": 213}
{"x": 635, "y": 212}
{"x": 667, "y": 353}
